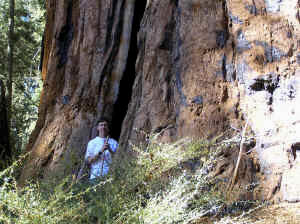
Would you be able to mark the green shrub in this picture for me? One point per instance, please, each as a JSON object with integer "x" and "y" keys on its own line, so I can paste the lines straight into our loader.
{"x": 153, "y": 186}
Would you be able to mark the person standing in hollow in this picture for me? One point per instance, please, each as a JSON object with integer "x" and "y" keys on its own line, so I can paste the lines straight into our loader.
{"x": 100, "y": 150}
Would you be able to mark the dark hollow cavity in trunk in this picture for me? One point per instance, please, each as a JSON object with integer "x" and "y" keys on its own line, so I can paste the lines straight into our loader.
{"x": 125, "y": 91}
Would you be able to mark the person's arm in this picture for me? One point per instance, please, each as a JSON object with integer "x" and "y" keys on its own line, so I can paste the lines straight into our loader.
{"x": 113, "y": 147}
{"x": 107, "y": 147}
{"x": 110, "y": 150}
{"x": 90, "y": 158}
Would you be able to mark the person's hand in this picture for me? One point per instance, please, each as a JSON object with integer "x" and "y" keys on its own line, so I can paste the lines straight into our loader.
{"x": 105, "y": 146}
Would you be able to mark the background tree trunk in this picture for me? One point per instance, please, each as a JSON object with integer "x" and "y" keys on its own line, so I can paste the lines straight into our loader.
{"x": 10, "y": 60}
{"x": 5, "y": 152}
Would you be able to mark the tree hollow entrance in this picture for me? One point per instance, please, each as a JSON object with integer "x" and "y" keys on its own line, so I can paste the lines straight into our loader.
{"x": 125, "y": 91}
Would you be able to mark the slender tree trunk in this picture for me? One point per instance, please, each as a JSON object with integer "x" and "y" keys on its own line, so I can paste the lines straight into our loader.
{"x": 10, "y": 60}
{"x": 5, "y": 153}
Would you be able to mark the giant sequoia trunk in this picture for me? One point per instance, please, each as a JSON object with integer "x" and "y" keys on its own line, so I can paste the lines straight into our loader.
{"x": 203, "y": 67}
{"x": 207, "y": 66}
{"x": 86, "y": 48}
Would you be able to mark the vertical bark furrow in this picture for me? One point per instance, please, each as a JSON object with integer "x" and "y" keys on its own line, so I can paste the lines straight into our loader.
{"x": 65, "y": 37}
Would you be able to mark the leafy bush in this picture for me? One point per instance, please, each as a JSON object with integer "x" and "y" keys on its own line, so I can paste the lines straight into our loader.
{"x": 36, "y": 203}
{"x": 161, "y": 183}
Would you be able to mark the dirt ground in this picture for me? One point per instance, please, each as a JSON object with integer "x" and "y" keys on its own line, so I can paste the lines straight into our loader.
{"x": 283, "y": 213}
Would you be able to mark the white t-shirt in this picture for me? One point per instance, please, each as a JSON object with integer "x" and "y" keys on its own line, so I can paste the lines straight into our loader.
{"x": 93, "y": 148}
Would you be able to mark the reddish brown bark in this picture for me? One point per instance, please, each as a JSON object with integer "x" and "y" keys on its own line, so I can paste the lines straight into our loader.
{"x": 86, "y": 47}
{"x": 203, "y": 67}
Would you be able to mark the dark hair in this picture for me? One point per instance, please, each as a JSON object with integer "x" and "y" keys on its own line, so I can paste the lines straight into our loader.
{"x": 103, "y": 119}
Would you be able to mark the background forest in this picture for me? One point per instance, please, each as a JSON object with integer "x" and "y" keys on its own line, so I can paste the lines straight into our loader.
{"x": 20, "y": 54}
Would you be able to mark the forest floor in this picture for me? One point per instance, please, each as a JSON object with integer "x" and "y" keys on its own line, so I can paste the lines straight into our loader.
{"x": 288, "y": 213}
{"x": 282, "y": 213}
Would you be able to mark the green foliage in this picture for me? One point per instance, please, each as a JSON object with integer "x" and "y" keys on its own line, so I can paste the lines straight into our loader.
{"x": 149, "y": 187}
{"x": 29, "y": 25}
{"x": 41, "y": 203}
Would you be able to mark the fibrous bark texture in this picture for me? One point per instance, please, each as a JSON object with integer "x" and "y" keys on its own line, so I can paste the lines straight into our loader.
{"x": 86, "y": 47}
{"x": 207, "y": 66}
{"x": 203, "y": 67}
{"x": 180, "y": 87}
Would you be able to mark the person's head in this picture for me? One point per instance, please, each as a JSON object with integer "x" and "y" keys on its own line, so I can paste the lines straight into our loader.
{"x": 103, "y": 127}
